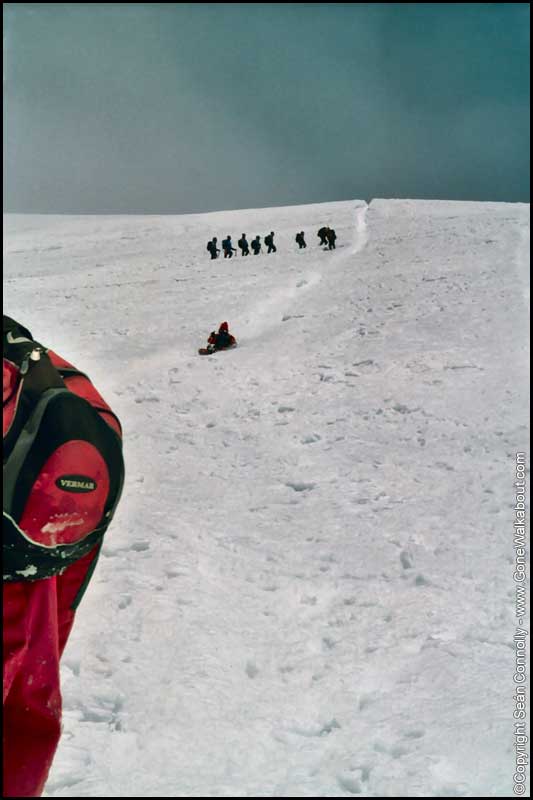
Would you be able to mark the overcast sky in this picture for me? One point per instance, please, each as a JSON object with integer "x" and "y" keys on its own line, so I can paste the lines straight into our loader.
{"x": 176, "y": 108}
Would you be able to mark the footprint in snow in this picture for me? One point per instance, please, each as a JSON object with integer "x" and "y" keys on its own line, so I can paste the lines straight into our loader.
{"x": 300, "y": 486}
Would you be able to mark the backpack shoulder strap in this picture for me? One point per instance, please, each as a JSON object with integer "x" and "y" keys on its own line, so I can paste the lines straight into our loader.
{"x": 37, "y": 375}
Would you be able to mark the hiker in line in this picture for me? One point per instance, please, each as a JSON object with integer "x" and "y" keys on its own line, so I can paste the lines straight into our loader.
{"x": 243, "y": 244}
{"x": 300, "y": 241}
{"x": 322, "y": 233}
{"x": 228, "y": 247}
{"x": 212, "y": 248}
{"x": 331, "y": 236}
{"x": 256, "y": 245}
{"x": 269, "y": 241}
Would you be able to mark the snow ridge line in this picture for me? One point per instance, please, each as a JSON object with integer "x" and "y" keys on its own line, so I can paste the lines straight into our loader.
{"x": 361, "y": 229}
{"x": 522, "y": 260}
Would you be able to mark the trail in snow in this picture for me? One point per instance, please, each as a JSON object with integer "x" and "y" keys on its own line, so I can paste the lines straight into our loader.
{"x": 307, "y": 590}
{"x": 267, "y": 313}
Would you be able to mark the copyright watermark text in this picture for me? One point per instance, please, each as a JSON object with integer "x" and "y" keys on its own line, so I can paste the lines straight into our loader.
{"x": 520, "y": 678}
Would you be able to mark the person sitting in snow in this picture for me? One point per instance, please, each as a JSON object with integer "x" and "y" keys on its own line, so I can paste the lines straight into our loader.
{"x": 222, "y": 340}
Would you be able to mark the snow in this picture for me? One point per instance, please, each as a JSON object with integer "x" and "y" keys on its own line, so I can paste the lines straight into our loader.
{"x": 307, "y": 589}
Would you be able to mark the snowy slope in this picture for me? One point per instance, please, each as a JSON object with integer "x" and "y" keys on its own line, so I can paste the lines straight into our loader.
{"x": 307, "y": 590}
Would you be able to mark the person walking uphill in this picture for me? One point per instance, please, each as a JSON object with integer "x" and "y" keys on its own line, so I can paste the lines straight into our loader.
{"x": 256, "y": 245}
{"x": 243, "y": 244}
{"x": 331, "y": 237}
{"x": 63, "y": 476}
{"x": 269, "y": 241}
{"x": 322, "y": 234}
{"x": 300, "y": 241}
{"x": 228, "y": 247}
{"x": 212, "y": 248}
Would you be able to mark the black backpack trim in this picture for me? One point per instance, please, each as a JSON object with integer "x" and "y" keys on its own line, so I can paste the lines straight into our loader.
{"x": 48, "y": 415}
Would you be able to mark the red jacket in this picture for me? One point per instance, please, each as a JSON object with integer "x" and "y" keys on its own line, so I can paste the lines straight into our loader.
{"x": 222, "y": 340}
{"x": 37, "y": 619}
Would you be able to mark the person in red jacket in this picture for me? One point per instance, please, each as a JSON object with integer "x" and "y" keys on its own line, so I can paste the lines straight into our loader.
{"x": 221, "y": 340}
{"x": 38, "y": 614}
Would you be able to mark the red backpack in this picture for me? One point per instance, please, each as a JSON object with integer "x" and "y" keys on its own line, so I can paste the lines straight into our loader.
{"x": 63, "y": 464}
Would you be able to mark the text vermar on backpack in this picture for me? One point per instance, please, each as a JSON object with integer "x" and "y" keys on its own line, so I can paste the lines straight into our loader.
{"x": 63, "y": 464}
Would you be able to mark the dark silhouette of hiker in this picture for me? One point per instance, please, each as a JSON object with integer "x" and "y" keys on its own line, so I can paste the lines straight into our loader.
{"x": 331, "y": 236}
{"x": 243, "y": 244}
{"x": 300, "y": 240}
{"x": 269, "y": 241}
{"x": 256, "y": 245}
{"x": 322, "y": 233}
{"x": 228, "y": 247}
{"x": 212, "y": 247}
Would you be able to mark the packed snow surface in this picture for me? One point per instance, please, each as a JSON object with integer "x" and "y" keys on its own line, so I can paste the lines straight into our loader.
{"x": 308, "y": 586}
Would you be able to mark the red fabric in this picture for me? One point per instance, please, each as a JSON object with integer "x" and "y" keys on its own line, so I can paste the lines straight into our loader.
{"x": 84, "y": 388}
{"x": 11, "y": 382}
{"x": 52, "y": 516}
{"x": 10, "y": 379}
{"x": 37, "y": 619}
{"x": 77, "y": 384}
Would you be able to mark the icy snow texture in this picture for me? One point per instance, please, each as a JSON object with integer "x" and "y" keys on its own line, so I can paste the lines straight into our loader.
{"x": 307, "y": 590}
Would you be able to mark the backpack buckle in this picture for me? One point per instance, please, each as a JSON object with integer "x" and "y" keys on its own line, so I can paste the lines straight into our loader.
{"x": 33, "y": 355}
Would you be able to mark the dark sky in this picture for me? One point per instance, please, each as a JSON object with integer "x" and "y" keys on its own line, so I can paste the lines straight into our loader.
{"x": 176, "y": 108}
